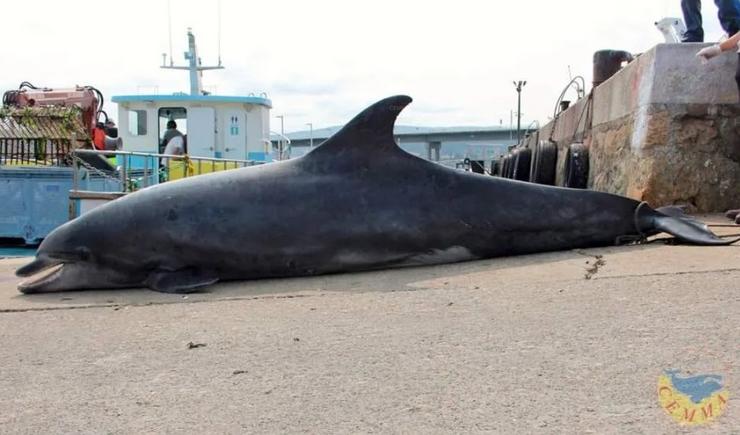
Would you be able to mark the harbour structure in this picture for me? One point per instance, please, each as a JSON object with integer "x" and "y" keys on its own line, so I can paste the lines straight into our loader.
{"x": 660, "y": 128}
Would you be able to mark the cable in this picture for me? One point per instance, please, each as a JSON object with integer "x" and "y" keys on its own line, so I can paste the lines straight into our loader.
{"x": 26, "y": 84}
{"x": 586, "y": 106}
{"x": 10, "y": 98}
{"x": 580, "y": 90}
{"x": 169, "y": 28}
{"x": 101, "y": 101}
{"x": 104, "y": 114}
{"x": 219, "y": 32}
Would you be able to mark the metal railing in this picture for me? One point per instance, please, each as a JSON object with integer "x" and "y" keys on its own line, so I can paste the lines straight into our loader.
{"x": 134, "y": 170}
{"x": 283, "y": 145}
{"x": 35, "y": 151}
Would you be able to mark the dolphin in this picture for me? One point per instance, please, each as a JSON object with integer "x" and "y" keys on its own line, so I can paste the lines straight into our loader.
{"x": 356, "y": 202}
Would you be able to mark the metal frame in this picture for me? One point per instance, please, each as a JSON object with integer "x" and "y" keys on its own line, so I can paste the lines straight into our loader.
{"x": 124, "y": 172}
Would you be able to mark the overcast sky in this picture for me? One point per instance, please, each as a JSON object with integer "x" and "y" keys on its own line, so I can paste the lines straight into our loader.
{"x": 321, "y": 61}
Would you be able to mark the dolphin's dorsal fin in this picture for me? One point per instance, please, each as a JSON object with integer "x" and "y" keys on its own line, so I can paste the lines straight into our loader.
{"x": 369, "y": 132}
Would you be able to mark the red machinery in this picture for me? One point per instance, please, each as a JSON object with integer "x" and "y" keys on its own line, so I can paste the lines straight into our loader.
{"x": 87, "y": 98}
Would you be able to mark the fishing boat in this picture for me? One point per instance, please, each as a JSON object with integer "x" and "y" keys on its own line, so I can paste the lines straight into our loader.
{"x": 61, "y": 156}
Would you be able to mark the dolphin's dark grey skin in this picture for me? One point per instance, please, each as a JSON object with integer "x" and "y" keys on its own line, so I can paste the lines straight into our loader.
{"x": 356, "y": 202}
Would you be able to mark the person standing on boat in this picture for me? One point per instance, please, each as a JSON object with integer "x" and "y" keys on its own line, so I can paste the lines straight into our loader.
{"x": 169, "y": 134}
{"x": 729, "y": 18}
{"x": 173, "y": 143}
{"x": 175, "y": 146}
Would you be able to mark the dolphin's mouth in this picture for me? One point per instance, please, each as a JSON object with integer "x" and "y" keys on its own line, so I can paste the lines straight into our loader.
{"x": 44, "y": 270}
{"x": 40, "y": 279}
{"x": 39, "y": 264}
{"x": 63, "y": 271}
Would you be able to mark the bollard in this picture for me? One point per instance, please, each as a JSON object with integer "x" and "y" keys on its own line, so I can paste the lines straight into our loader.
{"x": 607, "y": 63}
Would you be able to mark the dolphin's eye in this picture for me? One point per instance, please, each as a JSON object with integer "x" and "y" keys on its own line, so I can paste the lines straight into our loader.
{"x": 83, "y": 253}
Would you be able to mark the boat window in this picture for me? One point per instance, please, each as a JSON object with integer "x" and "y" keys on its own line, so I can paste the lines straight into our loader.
{"x": 180, "y": 117}
{"x": 137, "y": 122}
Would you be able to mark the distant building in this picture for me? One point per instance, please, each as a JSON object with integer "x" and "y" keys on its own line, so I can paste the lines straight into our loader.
{"x": 434, "y": 143}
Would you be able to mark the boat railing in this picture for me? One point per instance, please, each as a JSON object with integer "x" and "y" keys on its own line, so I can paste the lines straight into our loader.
{"x": 284, "y": 146}
{"x": 128, "y": 171}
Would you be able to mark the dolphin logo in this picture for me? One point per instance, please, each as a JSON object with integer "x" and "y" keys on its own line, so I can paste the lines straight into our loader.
{"x": 697, "y": 388}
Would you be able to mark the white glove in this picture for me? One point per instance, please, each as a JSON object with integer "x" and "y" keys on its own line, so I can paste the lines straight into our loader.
{"x": 707, "y": 53}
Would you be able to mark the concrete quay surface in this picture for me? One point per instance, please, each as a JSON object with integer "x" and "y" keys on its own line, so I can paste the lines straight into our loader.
{"x": 566, "y": 342}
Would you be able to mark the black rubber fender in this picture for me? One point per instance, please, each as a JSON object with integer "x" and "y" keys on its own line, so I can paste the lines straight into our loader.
{"x": 522, "y": 164}
{"x": 495, "y": 167}
{"x": 544, "y": 168}
{"x": 505, "y": 166}
{"x": 576, "y": 166}
{"x": 512, "y": 163}
{"x": 502, "y": 167}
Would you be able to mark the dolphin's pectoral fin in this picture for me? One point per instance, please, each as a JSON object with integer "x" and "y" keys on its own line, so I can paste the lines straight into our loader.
{"x": 185, "y": 280}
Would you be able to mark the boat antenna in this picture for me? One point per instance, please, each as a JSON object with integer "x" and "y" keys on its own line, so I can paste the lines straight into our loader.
{"x": 169, "y": 27}
{"x": 219, "y": 32}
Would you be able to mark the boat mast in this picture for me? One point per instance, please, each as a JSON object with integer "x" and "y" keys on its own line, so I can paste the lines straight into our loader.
{"x": 194, "y": 66}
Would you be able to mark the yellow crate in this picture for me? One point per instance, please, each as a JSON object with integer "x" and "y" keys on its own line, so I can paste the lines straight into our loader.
{"x": 177, "y": 168}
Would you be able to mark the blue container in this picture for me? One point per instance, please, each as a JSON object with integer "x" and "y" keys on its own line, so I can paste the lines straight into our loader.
{"x": 35, "y": 200}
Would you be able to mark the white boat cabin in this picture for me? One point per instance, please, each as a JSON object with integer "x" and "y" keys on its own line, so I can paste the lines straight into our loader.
{"x": 229, "y": 127}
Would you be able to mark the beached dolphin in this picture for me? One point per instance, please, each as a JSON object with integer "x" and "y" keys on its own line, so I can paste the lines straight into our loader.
{"x": 356, "y": 202}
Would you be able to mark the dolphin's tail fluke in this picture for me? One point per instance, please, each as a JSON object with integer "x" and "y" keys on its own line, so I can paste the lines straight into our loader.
{"x": 690, "y": 231}
{"x": 674, "y": 221}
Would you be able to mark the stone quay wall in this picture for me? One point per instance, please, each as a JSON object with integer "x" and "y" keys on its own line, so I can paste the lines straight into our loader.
{"x": 665, "y": 129}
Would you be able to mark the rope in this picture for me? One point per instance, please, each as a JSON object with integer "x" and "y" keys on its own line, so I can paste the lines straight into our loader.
{"x": 630, "y": 240}
{"x": 586, "y": 128}
{"x": 636, "y": 217}
{"x": 188, "y": 164}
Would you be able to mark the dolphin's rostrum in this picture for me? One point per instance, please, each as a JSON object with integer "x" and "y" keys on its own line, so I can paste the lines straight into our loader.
{"x": 357, "y": 202}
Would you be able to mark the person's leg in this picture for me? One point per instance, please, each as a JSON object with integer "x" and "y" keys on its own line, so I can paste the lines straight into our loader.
{"x": 729, "y": 15}
{"x": 692, "y": 16}
{"x": 737, "y": 75}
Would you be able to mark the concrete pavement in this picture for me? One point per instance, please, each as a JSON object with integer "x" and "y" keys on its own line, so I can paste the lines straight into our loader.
{"x": 568, "y": 342}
